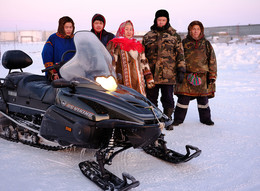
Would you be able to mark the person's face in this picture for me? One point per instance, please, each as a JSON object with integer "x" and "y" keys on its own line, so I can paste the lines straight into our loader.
{"x": 129, "y": 31}
{"x": 195, "y": 32}
{"x": 68, "y": 29}
{"x": 98, "y": 26}
{"x": 161, "y": 21}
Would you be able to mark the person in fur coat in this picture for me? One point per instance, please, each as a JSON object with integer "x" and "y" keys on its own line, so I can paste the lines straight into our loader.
{"x": 199, "y": 79}
{"x": 129, "y": 59}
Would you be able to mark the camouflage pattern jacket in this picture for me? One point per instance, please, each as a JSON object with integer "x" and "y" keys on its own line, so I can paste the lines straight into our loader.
{"x": 165, "y": 55}
{"x": 200, "y": 61}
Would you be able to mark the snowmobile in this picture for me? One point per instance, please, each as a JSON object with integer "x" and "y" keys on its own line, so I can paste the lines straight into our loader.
{"x": 85, "y": 108}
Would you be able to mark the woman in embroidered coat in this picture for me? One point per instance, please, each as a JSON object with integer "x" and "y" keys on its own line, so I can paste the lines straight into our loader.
{"x": 199, "y": 79}
{"x": 129, "y": 59}
{"x": 57, "y": 44}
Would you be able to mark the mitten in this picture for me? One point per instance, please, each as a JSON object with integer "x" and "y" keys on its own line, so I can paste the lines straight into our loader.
{"x": 52, "y": 75}
{"x": 148, "y": 78}
{"x": 150, "y": 83}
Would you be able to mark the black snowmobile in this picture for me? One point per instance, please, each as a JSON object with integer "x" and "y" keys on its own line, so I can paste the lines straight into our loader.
{"x": 85, "y": 108}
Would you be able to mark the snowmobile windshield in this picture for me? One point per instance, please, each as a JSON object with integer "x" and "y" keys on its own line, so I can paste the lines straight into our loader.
{"x": 91, "y": 62}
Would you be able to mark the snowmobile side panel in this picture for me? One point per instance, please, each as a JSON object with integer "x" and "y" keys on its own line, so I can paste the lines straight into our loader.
{"x": 66, "y": 128}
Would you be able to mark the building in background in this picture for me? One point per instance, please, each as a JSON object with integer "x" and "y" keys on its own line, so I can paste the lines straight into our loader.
{"x": 232, "y": 34}
{"x": 25, "y": 36}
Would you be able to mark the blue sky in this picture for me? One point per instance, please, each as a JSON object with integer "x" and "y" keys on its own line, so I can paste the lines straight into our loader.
{"x": 44, "y": 15}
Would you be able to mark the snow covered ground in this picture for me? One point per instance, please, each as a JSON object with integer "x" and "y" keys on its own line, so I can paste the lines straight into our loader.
{"x": 230, "y": 159}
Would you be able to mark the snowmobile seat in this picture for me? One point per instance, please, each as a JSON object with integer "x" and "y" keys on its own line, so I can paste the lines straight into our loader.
{"x": 16, "y": 59}
{"x": 12, "y": 79}
{"x": 36, "y": 87}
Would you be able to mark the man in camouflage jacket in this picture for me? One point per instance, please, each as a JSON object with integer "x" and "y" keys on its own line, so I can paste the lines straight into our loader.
{"x": 164, "y": 51}
{"x": 199, "y": 79}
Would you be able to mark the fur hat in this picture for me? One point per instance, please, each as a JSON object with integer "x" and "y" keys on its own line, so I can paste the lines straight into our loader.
{"x": 161, "y": 13}
{"x": 62, "y": 22}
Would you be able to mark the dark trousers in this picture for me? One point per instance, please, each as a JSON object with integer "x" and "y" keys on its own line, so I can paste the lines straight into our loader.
{"x": 183, "y": 104}
{"x": 166, "y": 98}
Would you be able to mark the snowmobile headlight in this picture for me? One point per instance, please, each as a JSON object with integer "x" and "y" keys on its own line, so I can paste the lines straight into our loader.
{"x": 107, "y": 83}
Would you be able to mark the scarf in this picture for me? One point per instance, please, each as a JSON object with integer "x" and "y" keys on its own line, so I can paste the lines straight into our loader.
{"x": 125, "y": 43}
{"x": 128, "y": 44}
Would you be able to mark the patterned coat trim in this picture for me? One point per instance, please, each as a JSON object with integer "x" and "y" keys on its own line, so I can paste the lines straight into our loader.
{"x": 48, "y": 64}
{"x": 125, "y": 69}
{"x": 49, "y": 43}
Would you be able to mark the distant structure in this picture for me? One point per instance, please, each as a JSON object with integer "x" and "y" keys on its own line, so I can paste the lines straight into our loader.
{"x": 25, "y": 36}
{"x": 232, "y": 34}
{"x": 221, "y": 34}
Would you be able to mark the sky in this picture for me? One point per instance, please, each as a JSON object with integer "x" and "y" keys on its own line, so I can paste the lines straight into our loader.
{"x": 44, "y": 15}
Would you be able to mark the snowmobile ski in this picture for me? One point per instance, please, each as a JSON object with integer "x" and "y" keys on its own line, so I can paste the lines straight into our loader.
{"x": 159, "y": 150}
{"x": 108, "y": 181}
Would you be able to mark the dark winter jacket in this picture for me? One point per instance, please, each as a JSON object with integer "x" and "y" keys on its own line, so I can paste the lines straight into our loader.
{"x": 201, "y": 68}
{"x": 164, "y": 51}
{"x": 104, "y": 36}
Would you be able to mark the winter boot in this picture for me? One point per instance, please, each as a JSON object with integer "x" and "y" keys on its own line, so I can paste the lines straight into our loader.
{"x": 176, "y": 123}
{"x": 205, "y": 116}
{"x": 169, "y": 112}
{"x": 209, "y": 122}
{"x": 179, "y": 114}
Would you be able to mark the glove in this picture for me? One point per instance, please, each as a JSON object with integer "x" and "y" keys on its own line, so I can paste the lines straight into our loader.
{"x": 52, "y": 75}
{"x": 150, "y": 83}
{"x": 149, "y": 79}
{"x": 180, "y": 77}
{"x": 55, "y": 76}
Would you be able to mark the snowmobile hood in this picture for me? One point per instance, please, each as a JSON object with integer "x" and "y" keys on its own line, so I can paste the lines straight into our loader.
{"x": 124, "y": 103}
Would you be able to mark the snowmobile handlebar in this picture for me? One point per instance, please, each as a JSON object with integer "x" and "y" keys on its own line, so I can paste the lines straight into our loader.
{"x": 59, "y": 64}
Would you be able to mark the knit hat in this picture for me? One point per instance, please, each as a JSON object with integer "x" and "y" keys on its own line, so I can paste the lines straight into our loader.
{"x": 98, "y": 17}
{"x": 161, "y": 13}
{"x": 62, "y": 22}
